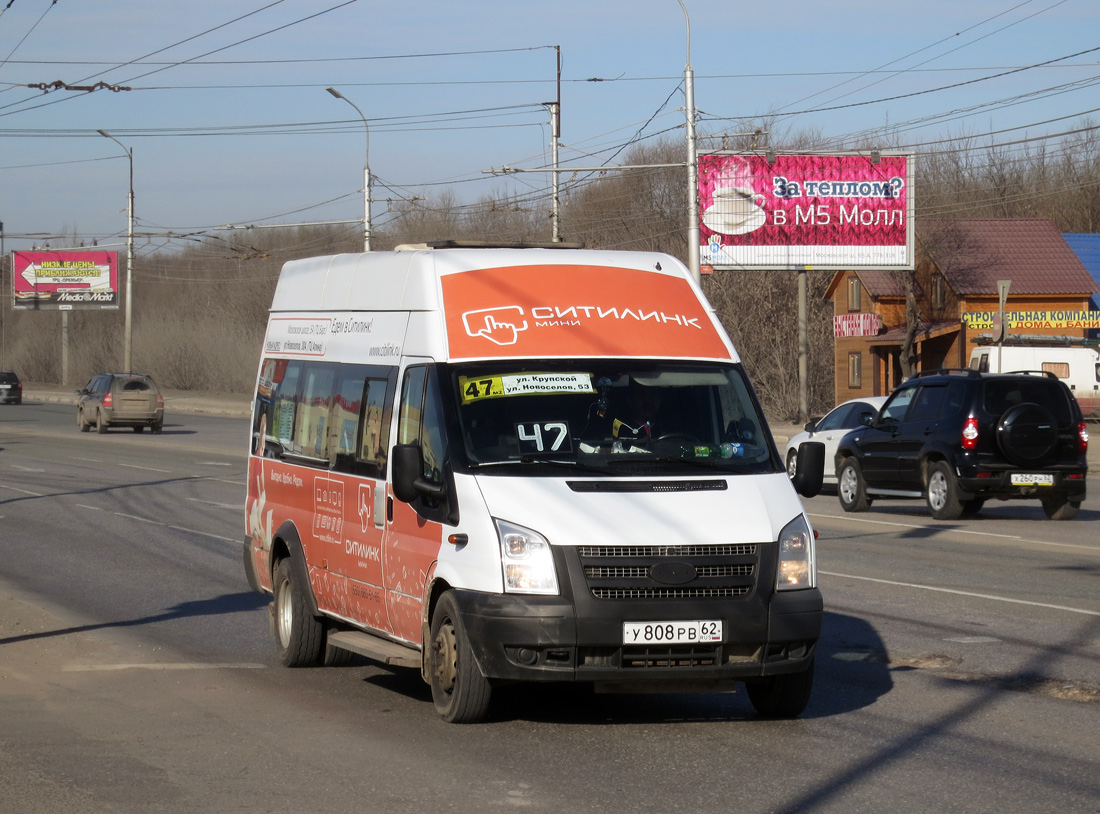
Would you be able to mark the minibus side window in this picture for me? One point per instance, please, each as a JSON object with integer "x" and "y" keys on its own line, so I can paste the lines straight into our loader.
{"x": 360, "y": 420}
{"x": 374, "y": 440}
{"x": 314, "y": 402}
{"x": 421, "y": 419}
{"x": 282, "y": 422}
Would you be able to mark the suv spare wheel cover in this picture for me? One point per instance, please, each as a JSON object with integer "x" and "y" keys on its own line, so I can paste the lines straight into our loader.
{"x": 1027, "y": 433}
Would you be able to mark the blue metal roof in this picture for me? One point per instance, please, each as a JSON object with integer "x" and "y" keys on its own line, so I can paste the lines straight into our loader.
{"x": 1087, "y": 247}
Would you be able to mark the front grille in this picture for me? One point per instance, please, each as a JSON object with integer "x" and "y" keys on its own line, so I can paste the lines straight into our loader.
{"x": 650, "y": 657}
{"x": 669, "y": 593}
{"x": 661, "y": 572}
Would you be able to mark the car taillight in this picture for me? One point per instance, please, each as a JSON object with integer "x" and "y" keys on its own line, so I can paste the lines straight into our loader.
{"x": 1082, "y": 437}
{"x": 160, "y": 401}
{"x": 970, "y": 433}
{"x": 107, "y": 400}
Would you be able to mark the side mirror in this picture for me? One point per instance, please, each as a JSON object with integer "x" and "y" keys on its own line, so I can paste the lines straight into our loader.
{"x": 407, "y": 467}
{"x": 810, "y": 426}
{"x": 809, "y": 468}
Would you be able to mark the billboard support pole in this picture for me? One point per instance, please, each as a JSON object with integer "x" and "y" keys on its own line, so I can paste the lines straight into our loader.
{"x": 803, "y": 350}
{"x": 692, "y": 158}
{"x": 129, "y": 340}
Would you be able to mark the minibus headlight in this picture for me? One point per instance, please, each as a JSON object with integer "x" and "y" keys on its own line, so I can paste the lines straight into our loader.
{"x": 527, "y": 560}
{"x": 796, "y": 568}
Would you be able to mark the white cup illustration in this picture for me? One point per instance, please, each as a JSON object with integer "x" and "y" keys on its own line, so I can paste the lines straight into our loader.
{"x": 735, "y": 211}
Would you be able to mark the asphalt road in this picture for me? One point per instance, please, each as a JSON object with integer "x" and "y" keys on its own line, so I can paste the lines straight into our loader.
{"x": 959, "y": 668}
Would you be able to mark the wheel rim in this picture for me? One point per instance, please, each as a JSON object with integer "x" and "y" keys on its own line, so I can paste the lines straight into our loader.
{"x": 848, "y": 484}
{"x": 792, "y": 464}
{"x": 937, "y": 491}
{"x": 285, "y": 613}
{"x": 446, "y": 662}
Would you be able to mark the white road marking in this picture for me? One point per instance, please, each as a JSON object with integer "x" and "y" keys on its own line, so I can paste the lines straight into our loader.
{"x": 20, "y": 491}
{"x": 184, "y": 529}
{"x": 147, "y": 468}
{"x": 956, "y": 531}
{"x": 963, "y": 593}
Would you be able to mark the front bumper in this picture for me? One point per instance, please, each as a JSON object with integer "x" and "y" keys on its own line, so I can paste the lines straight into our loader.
{"x": 577, "y": 637}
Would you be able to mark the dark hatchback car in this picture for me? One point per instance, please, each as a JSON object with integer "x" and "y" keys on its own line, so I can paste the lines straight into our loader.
{"x": 11, "y": 389}
{"x": 958, "y": 438}
{"x": 120, "y": 400}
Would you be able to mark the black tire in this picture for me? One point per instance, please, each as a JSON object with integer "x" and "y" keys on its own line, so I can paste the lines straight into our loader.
{"x": 334, "y": 656}
{"x": 782, "y": 696}
{"x": 792, "y": 463}
{"x": 100, "y": 424}
{"x": 942, "y": 492}
{"x": 460, "y": 692}
{"x": 850, "y": 487}
{"x": 299, "y": 635}
{"x": 84, "y": 426}
{"x": 138, "y": 428}
{"x": 1060, "y": 507}
{"x": 157, "y": 428}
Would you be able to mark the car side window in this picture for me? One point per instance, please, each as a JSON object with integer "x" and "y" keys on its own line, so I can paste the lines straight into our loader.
{"x": 895, "y": 409}
{"x": 837, "y": 419}
{"x": 928, "y": 403}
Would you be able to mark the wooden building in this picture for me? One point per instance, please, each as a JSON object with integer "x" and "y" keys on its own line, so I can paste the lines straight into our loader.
{"x": 955, "y": 294}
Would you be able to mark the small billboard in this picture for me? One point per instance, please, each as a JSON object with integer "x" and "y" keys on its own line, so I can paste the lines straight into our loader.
{"x": 775, "y": 211}
{"x": 64, "y": 280}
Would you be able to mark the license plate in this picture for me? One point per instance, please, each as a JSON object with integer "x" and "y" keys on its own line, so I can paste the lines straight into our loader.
{"x": 1032, "y": 480}
{"x": 689, "y": 632}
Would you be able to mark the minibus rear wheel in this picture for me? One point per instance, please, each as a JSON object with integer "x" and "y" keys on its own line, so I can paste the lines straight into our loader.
{"x": 299, "y": 635}
{"x": 460, "y": 692}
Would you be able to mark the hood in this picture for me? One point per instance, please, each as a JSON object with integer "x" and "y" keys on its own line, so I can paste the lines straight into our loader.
{"x": 751, "y": 509}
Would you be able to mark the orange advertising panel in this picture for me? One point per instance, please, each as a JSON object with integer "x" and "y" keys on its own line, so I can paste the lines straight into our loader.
{"x": 563, "y": 311}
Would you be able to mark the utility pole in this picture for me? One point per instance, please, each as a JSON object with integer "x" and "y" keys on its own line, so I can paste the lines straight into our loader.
{"x": 692, "y": 158}
{"x": 129, "y": 340}
{"x": 366, "y": 170}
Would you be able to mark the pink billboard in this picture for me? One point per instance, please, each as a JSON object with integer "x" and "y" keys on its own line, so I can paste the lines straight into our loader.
{"x": 63, "y": 280}
{"x": 795, "y": 211}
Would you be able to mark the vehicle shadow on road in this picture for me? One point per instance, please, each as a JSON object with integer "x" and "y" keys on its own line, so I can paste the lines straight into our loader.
{"x": 214, "y": 606}
{"x": 852, "y": 670}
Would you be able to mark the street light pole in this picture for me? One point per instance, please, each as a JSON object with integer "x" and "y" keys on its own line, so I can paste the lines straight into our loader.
{"x": 129, "y": 339}
{"x": 366, "y": 170}
{"x": 692, "y": 157}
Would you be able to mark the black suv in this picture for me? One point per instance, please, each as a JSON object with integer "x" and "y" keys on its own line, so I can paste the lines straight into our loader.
{"x": 959, "y": 437}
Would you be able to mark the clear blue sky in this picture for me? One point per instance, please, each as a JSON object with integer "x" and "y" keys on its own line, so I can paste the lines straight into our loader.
{"x": 229, "y": 121}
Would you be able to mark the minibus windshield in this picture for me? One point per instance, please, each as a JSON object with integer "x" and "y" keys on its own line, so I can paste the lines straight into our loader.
{"x": 614, "y": 416}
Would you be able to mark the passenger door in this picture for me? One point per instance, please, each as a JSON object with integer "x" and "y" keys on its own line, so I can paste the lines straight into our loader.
{"x": 914, "y": 432}
{"x": 414, "y": 532}
{"x": 878, "y": 442}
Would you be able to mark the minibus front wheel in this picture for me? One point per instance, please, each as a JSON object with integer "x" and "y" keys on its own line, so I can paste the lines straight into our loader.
{"x": 299, "y": 635}
{"x": 460, "y": 692}
{"x": 782, "y": 696}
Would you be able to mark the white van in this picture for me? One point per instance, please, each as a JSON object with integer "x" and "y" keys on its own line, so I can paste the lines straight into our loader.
{"x": 1077, "y": 366}
{"x": 525, "y": 464}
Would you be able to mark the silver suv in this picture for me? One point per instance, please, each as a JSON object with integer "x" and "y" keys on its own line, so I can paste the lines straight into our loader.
{"x": 120, "y": 400}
